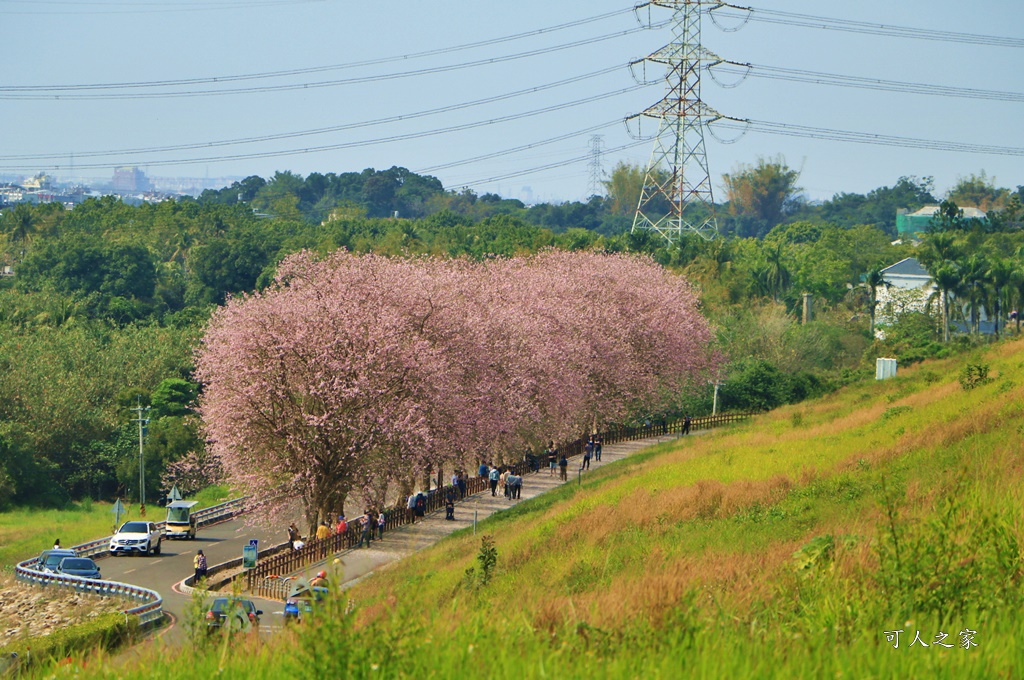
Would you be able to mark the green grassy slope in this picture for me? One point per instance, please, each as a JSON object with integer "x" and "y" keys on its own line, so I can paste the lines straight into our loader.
{"x": 786, "y": 547}
{"x": 26, "y": 532}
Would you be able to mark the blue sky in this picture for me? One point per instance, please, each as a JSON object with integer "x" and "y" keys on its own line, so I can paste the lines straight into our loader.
{"x": 83, "y": 42}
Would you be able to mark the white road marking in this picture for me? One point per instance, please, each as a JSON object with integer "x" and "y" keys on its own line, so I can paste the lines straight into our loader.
{"x": 129, "y": 571}
{"x": 157, "y": 561}
{"x": 186, "y": 553}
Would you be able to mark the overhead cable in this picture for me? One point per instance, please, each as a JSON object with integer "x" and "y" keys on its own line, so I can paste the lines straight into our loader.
{"x": 347, "y": 145}
{"x": 828, "y": 134}
{"x": 316, "y": 131}
{"x": 770, "y": 16}
{"x": 264, "y": 75}
{"x": 838, "y": 80}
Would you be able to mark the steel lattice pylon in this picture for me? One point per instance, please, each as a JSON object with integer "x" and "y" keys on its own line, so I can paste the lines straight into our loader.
{"x": 676, "y": 195}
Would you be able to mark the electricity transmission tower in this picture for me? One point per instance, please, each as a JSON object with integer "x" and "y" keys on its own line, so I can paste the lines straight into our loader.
{"x": 676, "y": 195}
{"x": 596, "y": 171}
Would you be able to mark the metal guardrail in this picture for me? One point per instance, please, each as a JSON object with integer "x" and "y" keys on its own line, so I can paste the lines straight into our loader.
{"x": 269, "y": 579}
{"x": 150, "y": 607}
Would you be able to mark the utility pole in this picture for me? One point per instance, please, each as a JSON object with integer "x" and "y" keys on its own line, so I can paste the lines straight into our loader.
{"x": 140, "y": 413}
{"x": 676, "y": 196}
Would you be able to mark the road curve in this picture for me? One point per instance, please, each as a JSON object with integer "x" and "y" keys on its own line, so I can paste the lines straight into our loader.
{"x": 219, "y": 542}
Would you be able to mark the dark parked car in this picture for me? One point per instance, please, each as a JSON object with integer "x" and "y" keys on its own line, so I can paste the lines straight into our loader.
{"x": 78, "y": 566}
{"x": 49, "y": 559}
{"x": 237, "y": 614}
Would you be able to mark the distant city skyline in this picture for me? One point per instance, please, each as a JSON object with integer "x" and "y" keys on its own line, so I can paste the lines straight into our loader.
{"x": 504, "y": 115}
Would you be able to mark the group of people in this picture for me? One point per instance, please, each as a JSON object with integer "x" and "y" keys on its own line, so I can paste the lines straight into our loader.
{"x": 503, "y": 478}
{"x": 371, "y": 523}
{"x": 556, "y": 459}
{"x": 591, "y": 450}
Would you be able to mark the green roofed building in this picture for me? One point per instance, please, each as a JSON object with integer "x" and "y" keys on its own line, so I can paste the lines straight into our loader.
{"x": 910, "y": 224}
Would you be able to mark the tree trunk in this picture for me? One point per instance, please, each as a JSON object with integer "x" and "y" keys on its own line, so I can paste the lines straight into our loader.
{"x": 945, "y": 316}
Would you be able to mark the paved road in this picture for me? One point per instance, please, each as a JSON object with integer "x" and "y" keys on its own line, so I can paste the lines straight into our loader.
{"x": 162, "y": 573}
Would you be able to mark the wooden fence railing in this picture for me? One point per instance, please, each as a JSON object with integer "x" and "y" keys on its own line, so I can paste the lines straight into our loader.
{"x": 265, "y": 579}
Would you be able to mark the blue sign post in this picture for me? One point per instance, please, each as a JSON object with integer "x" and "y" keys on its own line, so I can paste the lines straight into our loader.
{"x": 250, "y": 553}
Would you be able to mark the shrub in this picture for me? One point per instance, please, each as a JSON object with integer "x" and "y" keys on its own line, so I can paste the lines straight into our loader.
{"x": 107, "y": 631}
{"x": 959, "y": 561}
{"x": 974, "y": 375}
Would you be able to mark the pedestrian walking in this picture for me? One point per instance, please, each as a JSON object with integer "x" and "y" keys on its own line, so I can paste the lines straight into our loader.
{"x": 199, "y": 563}
{"x": 449, "y": 508}
{"x": 493, "y": 477}
{"x": 421, "y": 504}
{"x": 293, "y": 535}
{"x": 515, "y": 483}
{"x": 503, "y": 483}
{"x": 364, "y": 528}
{"x": 587, "y": 452}
{"x": 563, "y": 468}
{"x": 411, "y": 507}
{"x": 552, "y": 454}
{"x": 381, "y": 521}
{"x": 462, "y": 485}
{"x": 686, "y": 424}
{"x": 484, "y": 470}
{"x": 598, "y": 442}
{"x": 589, "y": 447}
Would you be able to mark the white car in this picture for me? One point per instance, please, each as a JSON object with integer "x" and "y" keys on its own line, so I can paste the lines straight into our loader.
{"x": 137, "y": 537}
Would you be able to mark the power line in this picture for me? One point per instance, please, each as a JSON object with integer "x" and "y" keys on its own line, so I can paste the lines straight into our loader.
{"x": 348, "y": 145}
{"x": 323, "y": 130}
{"x": 549, "y": 166}
{"x": 830, "y": 23}
{"x": 217, "y": 80}
{"x": 151, "y": 8}
{"x": 838, "y": 80}
{"x": 327, "y": 83}
{"x": 517, "y": 149}
{"x": 785, "y": 129}
{"x": 829, "y": 134}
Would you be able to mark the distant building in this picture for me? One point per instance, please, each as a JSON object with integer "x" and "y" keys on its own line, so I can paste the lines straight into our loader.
{"x": 37, "y": 183}
{"x": 129, "y": 180}
{"x": 910, "y": 224}
{"x": 11, "y": 193}
{"x": 911, "y": 289}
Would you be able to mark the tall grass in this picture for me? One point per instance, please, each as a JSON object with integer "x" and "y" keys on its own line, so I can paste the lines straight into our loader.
{"x": 783, "y": 548}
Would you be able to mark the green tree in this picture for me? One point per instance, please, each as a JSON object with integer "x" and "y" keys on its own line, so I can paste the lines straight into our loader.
{"x": 979, "y": 191}
{"x": 762, "y": 194}
{"x": 946, "y": 277}
{"x": 624, "y": 186}
{"x": 999, "y": 275}
{"x": 174, "y": 397}
{"x": 874, "y": 280}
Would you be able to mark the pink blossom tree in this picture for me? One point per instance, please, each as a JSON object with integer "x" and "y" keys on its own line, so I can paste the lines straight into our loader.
{"x": 357, "y": 371}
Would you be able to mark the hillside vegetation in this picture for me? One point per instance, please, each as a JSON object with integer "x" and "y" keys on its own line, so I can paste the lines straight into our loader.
{"x": 790, "y": 547}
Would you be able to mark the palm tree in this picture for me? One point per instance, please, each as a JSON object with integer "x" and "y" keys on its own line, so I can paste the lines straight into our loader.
{"x": 999, "y": 275}
{"x": 874, "y": 279}
{"x": 973, "y": 277}
{"x": 938, "y": 248}
{"x": 1017, "y": 287}
{"x": 777, "y": 276}
{"x": 21, "y": 225}
{"x": 947, "y": 279}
